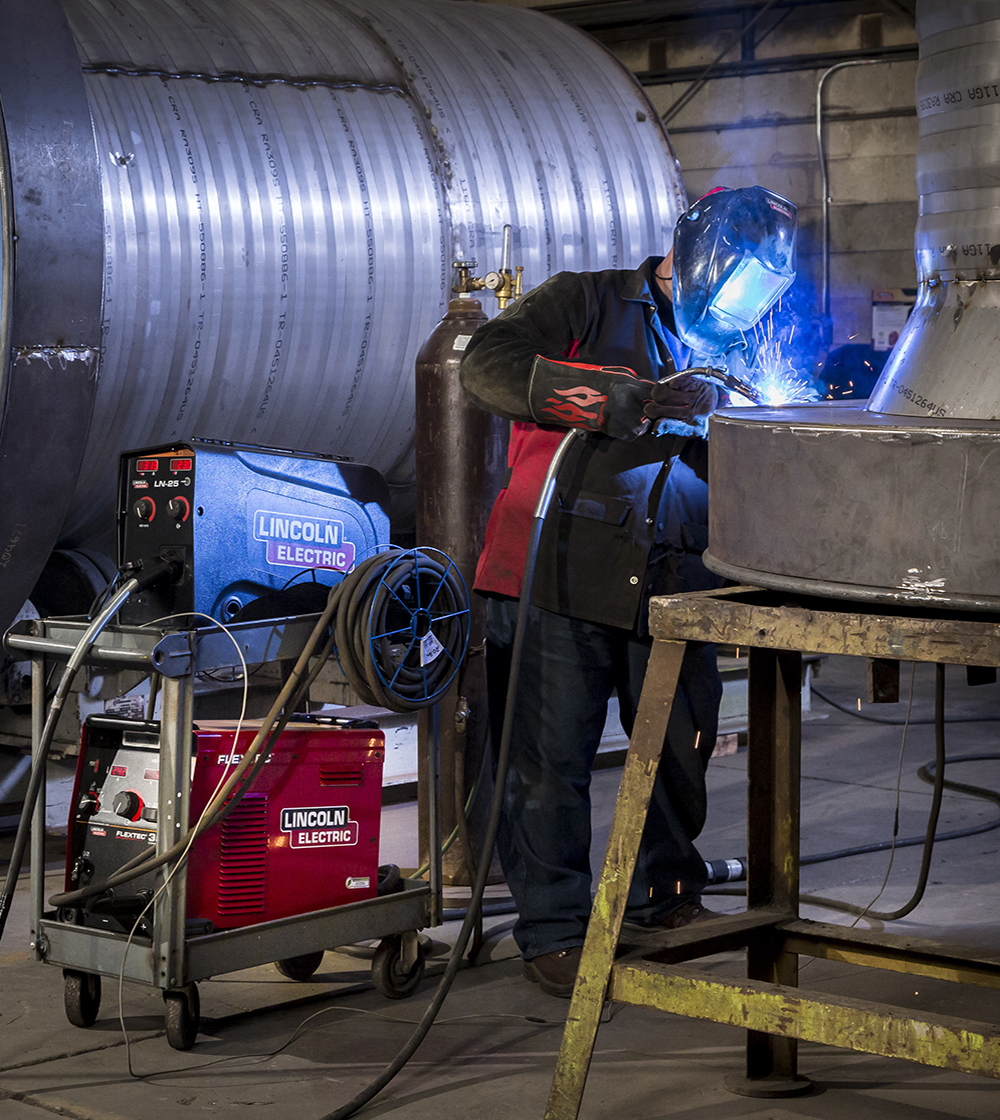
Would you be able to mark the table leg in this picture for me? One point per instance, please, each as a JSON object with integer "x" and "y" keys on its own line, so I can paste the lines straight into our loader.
{"x": 773, "y": 776}
{"x": 606, "y": 916}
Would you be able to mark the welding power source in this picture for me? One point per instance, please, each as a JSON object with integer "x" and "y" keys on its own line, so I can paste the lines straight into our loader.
{"x": 304, "y": 837}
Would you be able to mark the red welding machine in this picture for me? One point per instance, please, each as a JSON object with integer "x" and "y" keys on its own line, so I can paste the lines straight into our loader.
{"x": 304, "y": 837}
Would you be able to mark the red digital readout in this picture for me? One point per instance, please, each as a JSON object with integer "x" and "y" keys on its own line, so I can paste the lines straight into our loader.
{"x": 118, "y": 771}
{"x": 152, "y": 775}
{"x": 147, "y": 466}
{"x": 180, "y": 464}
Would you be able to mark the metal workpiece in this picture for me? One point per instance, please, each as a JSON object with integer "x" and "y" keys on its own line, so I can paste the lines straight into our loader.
{"x": 832, "y": 500}
{"x": 940, "y": 366}
{"x": 944, "y": 362}
{"x": 267, "y": 198}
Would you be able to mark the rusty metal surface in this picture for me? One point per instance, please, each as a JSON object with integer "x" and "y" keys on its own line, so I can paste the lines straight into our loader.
{"x": 608, "y": 911}
{"x": 853, "y": 1024}
{"x": 747, "y": 616}
{"x": 916, "y": 956}
{"x": 846, "y": 503}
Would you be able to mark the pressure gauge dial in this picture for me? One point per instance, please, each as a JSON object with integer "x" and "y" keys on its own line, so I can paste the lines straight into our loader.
{"x": 492, "y": 281}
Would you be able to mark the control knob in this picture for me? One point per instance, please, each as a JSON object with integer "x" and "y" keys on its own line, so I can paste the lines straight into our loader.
{"x": 128, "y": 803}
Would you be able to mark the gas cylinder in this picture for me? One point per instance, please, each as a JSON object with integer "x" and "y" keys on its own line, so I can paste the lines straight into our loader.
{"x": 460, "y": 461}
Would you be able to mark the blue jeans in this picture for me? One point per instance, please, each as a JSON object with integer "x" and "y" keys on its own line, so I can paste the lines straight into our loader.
{"x": 568, "y": 672}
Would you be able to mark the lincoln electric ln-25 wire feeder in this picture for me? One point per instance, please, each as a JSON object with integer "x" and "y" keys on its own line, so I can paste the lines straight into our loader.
{"x": 243, "y": 522}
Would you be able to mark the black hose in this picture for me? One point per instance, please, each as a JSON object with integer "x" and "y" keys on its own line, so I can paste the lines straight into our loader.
{"x": 897, "y": 721}
{"x": 503, "y": 757}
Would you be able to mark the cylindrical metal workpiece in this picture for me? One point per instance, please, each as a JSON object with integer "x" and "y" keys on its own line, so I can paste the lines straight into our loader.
{"x": 944, "y": 363}
{"x": 236, "y": 219}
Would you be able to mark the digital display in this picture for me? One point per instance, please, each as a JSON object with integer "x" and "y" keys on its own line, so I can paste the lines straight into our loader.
{"x": 180, "y": 464}
{"x": 151, "y": 775}
{"x": 118, "y": 771}
{"x": 147, "y": 466}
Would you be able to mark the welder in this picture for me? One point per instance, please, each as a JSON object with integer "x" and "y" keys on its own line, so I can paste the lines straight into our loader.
{"x": 606, "y": 352}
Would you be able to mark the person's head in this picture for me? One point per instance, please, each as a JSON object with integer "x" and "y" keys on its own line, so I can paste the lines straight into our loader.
{"x": 733, "y": 257}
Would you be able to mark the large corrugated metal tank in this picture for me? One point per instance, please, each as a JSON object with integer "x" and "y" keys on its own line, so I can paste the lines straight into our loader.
{"x": 237, "y": 219}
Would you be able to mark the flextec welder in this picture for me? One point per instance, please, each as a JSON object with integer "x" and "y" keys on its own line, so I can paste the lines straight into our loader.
{"x": 303, "y": 838}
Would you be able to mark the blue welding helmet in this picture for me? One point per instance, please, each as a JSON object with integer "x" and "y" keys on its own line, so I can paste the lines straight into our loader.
{"x": 734, "y": 255}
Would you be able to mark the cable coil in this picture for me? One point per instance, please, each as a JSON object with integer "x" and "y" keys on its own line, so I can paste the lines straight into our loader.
{"x": 402, "y": 627}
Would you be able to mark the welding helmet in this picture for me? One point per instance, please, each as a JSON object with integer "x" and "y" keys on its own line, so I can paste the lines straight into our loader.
{"x": 734, "y": 255}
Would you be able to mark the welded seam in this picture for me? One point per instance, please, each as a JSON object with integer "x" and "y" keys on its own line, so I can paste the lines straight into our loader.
{"x": 128, "y": 70}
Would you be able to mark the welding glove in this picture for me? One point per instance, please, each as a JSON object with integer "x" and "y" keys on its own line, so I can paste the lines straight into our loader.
{"x": 686, "y": 399}
{"x": 608, "y": 399}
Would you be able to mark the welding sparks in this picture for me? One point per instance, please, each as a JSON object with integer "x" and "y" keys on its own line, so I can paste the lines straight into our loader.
{"x": 774, "y": 374}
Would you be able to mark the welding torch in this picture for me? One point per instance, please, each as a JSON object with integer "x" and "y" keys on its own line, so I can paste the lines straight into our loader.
{"x": 720, "y": 377}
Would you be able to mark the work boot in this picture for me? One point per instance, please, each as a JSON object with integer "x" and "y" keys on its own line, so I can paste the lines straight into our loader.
{"x": 637, "y": 936}
{"x": 687, "y": 915}
{"x": 555, "y": 973}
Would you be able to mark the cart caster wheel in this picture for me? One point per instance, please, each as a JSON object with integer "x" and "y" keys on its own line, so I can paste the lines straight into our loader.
{"x": 82, "y": 997}
{"x": 182, "y": 1016}
{"x": 388, "y": 974}
{"x": 300, "y": 968}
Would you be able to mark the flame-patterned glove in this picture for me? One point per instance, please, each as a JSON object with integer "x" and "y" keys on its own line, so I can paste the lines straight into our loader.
{"x": 608, "y": 399}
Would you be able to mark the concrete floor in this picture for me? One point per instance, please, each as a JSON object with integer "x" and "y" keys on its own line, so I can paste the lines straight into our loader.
{"x": 272, "y": 1048}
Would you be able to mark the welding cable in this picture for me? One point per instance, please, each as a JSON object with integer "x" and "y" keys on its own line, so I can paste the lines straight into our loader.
{"x": 503, "y": 757}
{"x": 931, "y": 771}
{"x": 925, "y": 773}
{"x": 142, "y": 578}
{"x": 896, "y": 721}
{"x": 378, "y": 643}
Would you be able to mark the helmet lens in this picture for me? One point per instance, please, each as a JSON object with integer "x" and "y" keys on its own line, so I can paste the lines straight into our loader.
{"x": 749, "y": 290}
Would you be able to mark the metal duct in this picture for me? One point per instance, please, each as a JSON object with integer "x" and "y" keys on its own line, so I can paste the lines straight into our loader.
{"x": 237, "y": 218}
{"x": 944, "y": 364}
{"x": 898, "y": 502}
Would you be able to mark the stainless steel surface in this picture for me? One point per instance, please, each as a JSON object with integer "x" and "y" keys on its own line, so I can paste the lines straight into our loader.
{"x": 941, "y": 365}
{"x": 285, "y": 186}
{"x": 51, "y": 246}
{"x": 832, "y": 500}
{"x": 171, "y": 653}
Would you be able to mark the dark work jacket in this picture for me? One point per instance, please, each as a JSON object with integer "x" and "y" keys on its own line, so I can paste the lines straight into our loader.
{"x": 629, "y": 518}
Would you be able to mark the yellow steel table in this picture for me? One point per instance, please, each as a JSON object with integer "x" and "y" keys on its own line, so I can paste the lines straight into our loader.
{"x": 776, "y": 629}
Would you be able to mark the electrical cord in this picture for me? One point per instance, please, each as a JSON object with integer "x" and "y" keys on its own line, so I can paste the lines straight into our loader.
{"x": 403, "y": 629}
{"x": 893, "y": 720}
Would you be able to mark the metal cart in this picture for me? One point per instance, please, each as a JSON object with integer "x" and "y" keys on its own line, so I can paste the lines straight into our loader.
{"x": 169, "y": 959}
